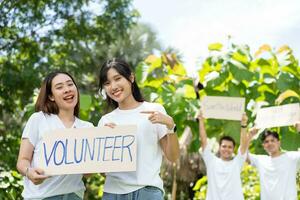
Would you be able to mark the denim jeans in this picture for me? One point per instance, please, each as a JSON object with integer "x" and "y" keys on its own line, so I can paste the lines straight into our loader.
{"x": 145, "y": 193}
{"x": 69, "y": 196}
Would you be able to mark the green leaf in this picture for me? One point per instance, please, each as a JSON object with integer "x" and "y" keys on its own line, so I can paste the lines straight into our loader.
{"x": 289, "y": 140}
{"x": 215, "y": 47}
{"x": 233, "y": 129}
{"x": 241, "y": 74}
{"x": 189, "y": 92}
{"x": 200, "y": 182}
{"x": 286, "y": 94}
{"x": 85, "y": 102}
{"x": 141, "y": 73}
{"x": 286, "y": 81}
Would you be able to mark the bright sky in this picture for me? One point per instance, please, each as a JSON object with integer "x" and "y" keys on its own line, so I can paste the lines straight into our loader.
{"x": 190, "y": 25}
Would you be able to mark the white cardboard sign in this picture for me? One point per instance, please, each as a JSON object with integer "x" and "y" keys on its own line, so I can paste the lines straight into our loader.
{"x": 89, "y": 150}
{"x": 217, "y": 107}
{"x": 277, "y": 116}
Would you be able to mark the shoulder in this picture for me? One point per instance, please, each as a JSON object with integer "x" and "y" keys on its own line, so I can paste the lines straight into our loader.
{"x": 257, "y": 156}
{"x": 110, "y": 113}
{"x": 105, "y": 118}
{"x": 292, "y": 154}
{"x": 153, "y": 106}
{"x": 82, "y": 123}
{"x": 37, "y": 116}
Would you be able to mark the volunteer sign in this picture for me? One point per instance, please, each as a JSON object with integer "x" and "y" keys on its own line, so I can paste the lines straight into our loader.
{"x": 217, "y": 107}
{"x": 89, "y": 150}
{"x": 277, "y": 116}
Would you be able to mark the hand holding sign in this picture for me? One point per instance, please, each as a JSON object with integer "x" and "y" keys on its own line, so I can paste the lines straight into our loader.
{"x": 36, "y": 175}
{"x": 244, "y": 120}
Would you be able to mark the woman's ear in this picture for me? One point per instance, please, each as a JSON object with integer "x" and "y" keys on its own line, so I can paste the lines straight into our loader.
{"x": 131, "y": 78}
{"x": 51, "y": 98}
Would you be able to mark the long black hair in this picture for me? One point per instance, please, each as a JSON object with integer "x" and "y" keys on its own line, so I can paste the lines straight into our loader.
{"x": 124, "y": 70}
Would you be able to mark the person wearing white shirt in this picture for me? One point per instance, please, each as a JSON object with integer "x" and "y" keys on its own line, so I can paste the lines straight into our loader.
{"x": 57, "y": 107}
{"x": 155, "y": 134}
{"x": 277, "y": 170}
{"x": 223, "y": 172}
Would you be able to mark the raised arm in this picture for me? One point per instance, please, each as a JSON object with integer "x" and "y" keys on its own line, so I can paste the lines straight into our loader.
{"x": 244, "y": 143}
{"x": 252, "y": 132}
{"x": 202, "y": 131}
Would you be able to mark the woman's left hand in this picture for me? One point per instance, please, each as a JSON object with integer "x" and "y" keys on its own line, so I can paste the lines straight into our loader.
{"x": 157, "y": 117}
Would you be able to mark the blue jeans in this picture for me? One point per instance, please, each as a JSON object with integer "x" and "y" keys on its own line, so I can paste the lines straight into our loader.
{"x": 145, "y": 193}
{"x": 69, "y": 196}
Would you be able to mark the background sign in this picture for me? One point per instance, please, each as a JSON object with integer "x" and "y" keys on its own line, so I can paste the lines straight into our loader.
{"x": 89, "y": 150}
{"x": 277, "y": 116}
{"x": 231, "y": 108}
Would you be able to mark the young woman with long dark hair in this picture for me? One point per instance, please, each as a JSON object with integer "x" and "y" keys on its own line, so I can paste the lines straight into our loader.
{"x": 155, "y": 134}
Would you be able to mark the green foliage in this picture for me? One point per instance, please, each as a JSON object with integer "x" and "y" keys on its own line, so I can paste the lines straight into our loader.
{"x": 164, "y": 80}
{"x": 10, "y": 185}
{"x": 94, "y": 187}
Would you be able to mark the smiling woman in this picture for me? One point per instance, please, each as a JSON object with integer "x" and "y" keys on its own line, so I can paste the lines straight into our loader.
{"x": 57, "y": 107}
{"x": 155, "y": 134}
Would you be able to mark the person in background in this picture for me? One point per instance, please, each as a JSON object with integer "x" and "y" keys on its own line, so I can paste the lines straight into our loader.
{"x": 277, "y": 170}
{"x": 223, "y": 172}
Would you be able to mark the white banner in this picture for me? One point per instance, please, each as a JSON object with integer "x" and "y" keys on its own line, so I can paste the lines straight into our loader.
{"x": 89, "y": 150}
{"x": 277, "y": 116}
{"x": 219, "y": 107}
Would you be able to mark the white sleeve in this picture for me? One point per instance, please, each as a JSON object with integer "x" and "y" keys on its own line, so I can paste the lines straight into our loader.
{"x": 102, "y": 121}
{"x": 160, "y": 128}
{"x": 241, "y": 158}
{"x": 89, "y": 125}
{"x": 253, "y": 159}
{"x": 31, "y": 130}
{"x": 207, "y": 155}
{"x": 295, "y": 155}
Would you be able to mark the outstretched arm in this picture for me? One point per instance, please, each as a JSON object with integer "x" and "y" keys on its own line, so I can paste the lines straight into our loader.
{"x": 252, "y": 132}
{"x": 202, "y": 131}
{"x": 169, "y": 143}
{"x": 244, "y": 143}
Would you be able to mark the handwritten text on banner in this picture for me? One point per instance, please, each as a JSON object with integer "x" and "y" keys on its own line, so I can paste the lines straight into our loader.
{"x": 89, "y": 150}
{"x": 277, "y": 116}
{"x": 217, "y": 107}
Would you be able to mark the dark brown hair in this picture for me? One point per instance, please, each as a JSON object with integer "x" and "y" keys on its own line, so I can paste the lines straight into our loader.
{"x": 124, "y": 70}
{"x": 267, "y": 133}
{"x": 43, "y": 102}
{"x": 228, "y": 138}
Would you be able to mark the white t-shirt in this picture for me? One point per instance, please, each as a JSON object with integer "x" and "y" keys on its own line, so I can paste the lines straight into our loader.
{"x": 223, "y": 177}
{"x": 149, "y": 152}
{"x": 39, "y": 124}
{"x": 277, "y": 175}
